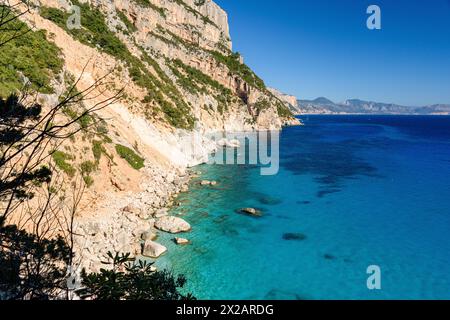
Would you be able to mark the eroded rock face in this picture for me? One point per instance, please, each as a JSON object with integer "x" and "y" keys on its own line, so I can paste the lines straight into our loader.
{"x": 153, "y": 249}
{"x": 172, "y": 224}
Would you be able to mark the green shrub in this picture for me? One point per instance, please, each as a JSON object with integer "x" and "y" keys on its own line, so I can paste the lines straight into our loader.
{"x": 87, "y": 167}
{"x": 283, "y": 111}
{"x": 84, "y": 121}
{"x": 130, "y": 156}
{"x": 97, "y": 149}
{"x": 31, "y": 54}
{"x": 130, "y": 26}
{"x": 60, "y": 158}
{"x": 88, "y": 180}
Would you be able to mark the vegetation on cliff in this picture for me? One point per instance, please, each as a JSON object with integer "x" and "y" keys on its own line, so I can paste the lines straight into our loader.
{"x": 130, "y": 156}
{"x": 232, "y": 61}
{"x": 31, "y": 56}
{"x": 95, "y": 33}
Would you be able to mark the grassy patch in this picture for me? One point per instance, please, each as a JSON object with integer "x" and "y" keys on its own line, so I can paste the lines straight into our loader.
{"x": 87, "y": 167}
{"x": 88, "y": 180}
{"x": 283, "y": 111}
{"x": 130, "y": 156}
{"x": 31, "y": 55}
{"x": 60, "y": 158}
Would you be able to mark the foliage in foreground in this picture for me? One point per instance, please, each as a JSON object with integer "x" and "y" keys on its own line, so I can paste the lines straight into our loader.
{"x": 131, "y": 281}
{"x": 31, "y": 268}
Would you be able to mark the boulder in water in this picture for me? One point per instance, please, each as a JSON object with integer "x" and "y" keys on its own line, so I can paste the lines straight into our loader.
{"x": 172, "y": 224}
{"x": 153, "y": 249}
{"x": 181, "y": 241}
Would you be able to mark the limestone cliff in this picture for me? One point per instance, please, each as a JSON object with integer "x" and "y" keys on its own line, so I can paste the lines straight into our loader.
{"x": 289, "y": 100}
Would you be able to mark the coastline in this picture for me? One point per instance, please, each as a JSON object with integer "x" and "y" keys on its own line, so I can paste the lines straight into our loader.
{"x": 123, "y": 223}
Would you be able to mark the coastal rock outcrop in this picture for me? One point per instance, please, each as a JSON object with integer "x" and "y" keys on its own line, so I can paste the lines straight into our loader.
{"x": 153, "y": 249}
{"x": 172, "y": 224}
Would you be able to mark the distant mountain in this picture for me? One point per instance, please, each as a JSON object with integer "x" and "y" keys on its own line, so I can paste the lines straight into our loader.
{"x": 323, "y": 105}
{"x": 322, "y": 100}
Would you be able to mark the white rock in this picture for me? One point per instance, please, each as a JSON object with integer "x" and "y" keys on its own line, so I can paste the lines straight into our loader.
{"x": 153, "y": 249}
{"x": 181, "y": 241}
{"x": 232, "y": 143}
{"x": 148, "y": 235}
{"x": 161, "y": 213}
{"x": 172, "y": 224}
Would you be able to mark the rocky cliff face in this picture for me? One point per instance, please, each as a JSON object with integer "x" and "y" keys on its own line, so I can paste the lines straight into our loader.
{"x": 289, "y": 100}
{"x": 175, "y": 57}
{"x": 181, "y": 81}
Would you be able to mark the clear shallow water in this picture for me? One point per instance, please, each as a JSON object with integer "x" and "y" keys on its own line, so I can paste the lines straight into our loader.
{"x": 364, "y": 190}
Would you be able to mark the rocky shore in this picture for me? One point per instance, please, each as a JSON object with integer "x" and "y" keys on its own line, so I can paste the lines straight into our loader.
{"x": 132, "y": 223}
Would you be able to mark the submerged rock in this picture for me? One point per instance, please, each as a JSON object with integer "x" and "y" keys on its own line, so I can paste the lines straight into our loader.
{"x": 172, "y": 224}
{"x": 153, "y": 249}
{"x": 294, "y": 236}
{"x": 181, "y": 241}
{"x": 269, "y": 201}
{"x": 208, "y": 183}
{"x": 250, "y": 211}
{"x": 221, "y": 219}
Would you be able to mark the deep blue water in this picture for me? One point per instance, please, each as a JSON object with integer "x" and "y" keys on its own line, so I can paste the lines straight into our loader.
{"x": 362, "y": 190}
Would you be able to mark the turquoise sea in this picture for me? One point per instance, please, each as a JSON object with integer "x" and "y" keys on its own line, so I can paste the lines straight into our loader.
{"x": 357, "y": 191}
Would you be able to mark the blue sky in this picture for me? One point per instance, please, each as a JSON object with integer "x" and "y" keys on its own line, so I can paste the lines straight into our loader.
{"x": 323, "y": 48}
